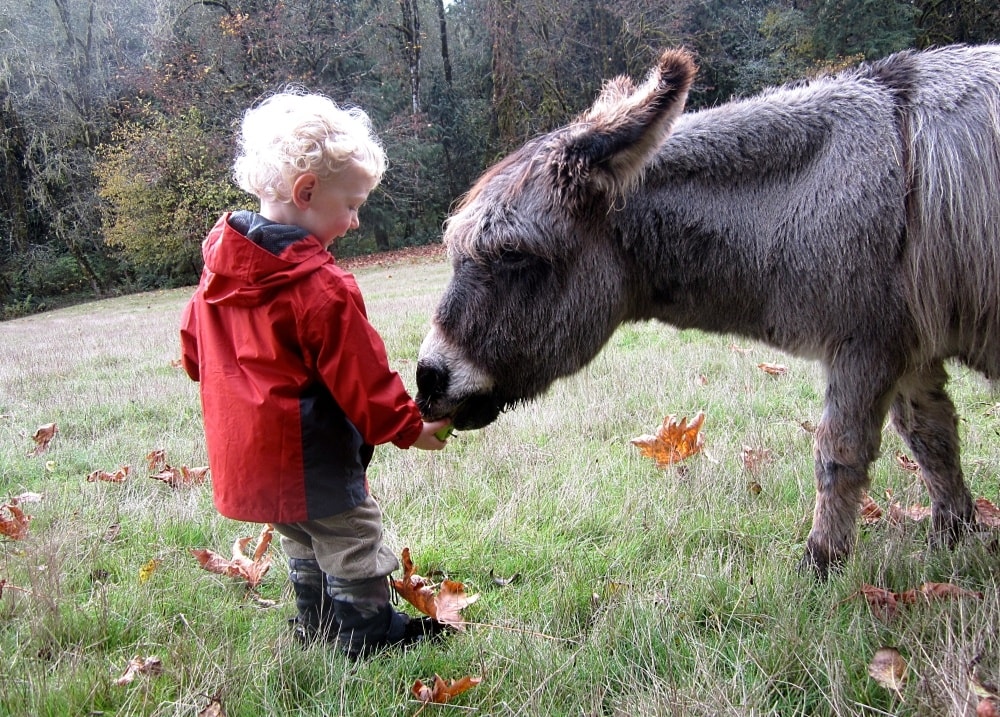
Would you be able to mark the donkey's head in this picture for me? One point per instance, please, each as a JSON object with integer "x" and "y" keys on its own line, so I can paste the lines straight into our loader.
{"x": 538, "y": 285}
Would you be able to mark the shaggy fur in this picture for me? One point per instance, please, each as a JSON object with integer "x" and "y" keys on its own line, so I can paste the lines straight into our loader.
{"x": 853, "y": 219}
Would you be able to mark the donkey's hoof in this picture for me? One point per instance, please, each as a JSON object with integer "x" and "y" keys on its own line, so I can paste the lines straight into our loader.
{"x": 820, "y": 561}
{"x": 950, "y": 527}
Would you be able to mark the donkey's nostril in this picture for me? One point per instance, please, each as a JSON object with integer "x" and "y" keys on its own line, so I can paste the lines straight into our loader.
{"x": 432, "y": 380}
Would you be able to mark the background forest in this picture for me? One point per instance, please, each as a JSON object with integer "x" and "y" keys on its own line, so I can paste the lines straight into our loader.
{"x": 118, "y": 115}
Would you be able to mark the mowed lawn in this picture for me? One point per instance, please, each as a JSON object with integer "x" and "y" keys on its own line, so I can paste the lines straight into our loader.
{"x": 607, "y": 586}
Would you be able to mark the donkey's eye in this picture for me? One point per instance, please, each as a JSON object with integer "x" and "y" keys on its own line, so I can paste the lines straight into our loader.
{"x": 515, "y": 260}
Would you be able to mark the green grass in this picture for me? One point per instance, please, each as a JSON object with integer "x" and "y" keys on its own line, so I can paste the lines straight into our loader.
{"x": 638, "y": 592}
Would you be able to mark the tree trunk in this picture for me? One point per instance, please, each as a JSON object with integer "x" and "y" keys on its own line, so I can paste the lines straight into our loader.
{"x": 506, "y": 91}
{"x": 410, "y": 30}
{"x": 445, "y": 57}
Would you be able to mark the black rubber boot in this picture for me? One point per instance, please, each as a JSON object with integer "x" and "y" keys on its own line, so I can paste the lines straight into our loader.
{"x": 368, "y": 623}
{"x": 315, "y": 619}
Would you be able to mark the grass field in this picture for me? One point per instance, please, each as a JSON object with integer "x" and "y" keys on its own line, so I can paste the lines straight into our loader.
{"x": 635, "y": 590}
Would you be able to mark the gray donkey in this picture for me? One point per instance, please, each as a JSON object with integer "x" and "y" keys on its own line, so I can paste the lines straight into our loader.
{"x": 853, "y": 219}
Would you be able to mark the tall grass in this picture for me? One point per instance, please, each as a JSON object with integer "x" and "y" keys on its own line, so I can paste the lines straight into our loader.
{"x": 635, "y": 591}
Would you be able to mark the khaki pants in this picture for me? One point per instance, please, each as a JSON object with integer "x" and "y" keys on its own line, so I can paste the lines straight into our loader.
{"x": 348, "y": 546}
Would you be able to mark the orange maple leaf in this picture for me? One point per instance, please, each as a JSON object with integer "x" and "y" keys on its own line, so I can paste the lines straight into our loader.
{"x": 42, "y": 437}
{"x": 674, "y": 441}
{"x": 444, "y": 606}
{"x": 16, "y": 526}
{"x": 252, "y": 570}
{"x": 443, "y": 691}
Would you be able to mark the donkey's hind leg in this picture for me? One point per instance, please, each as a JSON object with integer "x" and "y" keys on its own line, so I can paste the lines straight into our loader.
{"x": 925, "y": 418}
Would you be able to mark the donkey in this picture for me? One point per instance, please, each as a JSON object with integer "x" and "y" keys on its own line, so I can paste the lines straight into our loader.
{"x": 853, "y": 219}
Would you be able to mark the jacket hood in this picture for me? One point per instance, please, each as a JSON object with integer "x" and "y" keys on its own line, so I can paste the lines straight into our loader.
{"x": 248, "y": 257}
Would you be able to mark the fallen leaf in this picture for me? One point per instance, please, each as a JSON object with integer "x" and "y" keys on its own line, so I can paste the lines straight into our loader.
{"x": 148, "y": 568}
{"x": 871, "y": 513}
{"x": 907, "y": 463}
{"x": 807, "y": 426}
{"x": 117, "y": 477}
{"x": 156, "y": 458}
{"x": 988, "y": 707}
{"x": 898, "y": 514}
{"x": 16, "y": 526}
{"x": 43, "y": 434}
{"x": 739, "y": 349}
{"x": 882, "y": 602}
{"x": 754, "y": 459}
{"x": 31, "y": 498}
{"x": 182, "y": 477}
{"x": 252, "y": 570}
{"x": 140, "y": 666}
{"x": 773, "y": 369}
{"x": 213, "y": 708}
{"x": 444, "y": 606}
{"x": 443, "y": 691}
{"x": 674, "y": 441}
{"x": 937, "y": 591}
{"x": 987, "y": 513}
{"x": 504, "y": 582}
{"x": 888, "y": 668}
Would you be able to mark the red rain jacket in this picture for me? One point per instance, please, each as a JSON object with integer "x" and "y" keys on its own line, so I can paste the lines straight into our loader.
{"x": 296, "y": 387}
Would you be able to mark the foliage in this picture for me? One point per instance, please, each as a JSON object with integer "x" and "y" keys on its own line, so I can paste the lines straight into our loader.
{"x": 164, "y": 181}
{"x": 451, "y": 87}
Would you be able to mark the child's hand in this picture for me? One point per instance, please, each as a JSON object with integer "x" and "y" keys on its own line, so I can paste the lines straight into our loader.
{"x": 427, "y": 440}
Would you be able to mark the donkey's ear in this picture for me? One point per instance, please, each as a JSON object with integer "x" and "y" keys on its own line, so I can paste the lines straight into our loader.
{"x": 605, "y": 150}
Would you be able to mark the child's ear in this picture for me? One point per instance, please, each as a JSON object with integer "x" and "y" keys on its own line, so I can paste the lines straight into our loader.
{"x": 303, "y": 188}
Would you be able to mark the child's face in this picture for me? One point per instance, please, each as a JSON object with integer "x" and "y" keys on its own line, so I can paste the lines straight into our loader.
{"x": 332, "y": 206}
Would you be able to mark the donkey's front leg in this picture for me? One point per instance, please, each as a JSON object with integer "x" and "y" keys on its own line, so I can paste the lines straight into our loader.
{"x": 847, "y": 441}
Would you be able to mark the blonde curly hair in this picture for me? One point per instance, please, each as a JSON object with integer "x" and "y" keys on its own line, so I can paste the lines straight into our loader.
{"x": 294, "y": 132}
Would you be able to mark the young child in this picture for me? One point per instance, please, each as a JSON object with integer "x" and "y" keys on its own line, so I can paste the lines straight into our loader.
{"x": 296, "y": 388}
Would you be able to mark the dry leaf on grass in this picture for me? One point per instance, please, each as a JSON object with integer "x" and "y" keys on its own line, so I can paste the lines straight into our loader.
{"x": 440, "y": 692}
{"x": 884, "y": 603}
{"x": 117, "y": 477}
{"x": 987, "y": 514}
{"x": 888, "y": 668}
{"x": 140, "y": 666}
{"x": 43, "y": 434}
{"x": 754, "y": 459}
{"x": 251, "y": 569}
{"x": 674, "y": 441}
{"x": 444, "y": 605}
{"x": 182, "y": 477}
{"x": 773, "y": 369}
{"x": 16, "y": 525}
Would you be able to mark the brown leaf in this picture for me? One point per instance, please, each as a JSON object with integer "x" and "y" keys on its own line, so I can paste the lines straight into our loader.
{"x": 754, "y": 459}
{"x": 182, "y": 477}
{"x": 444, "y": 606}
{"x": 906, "y": 463}
{"x": 443, "y": 691}
{"x": 674, "y": 441}
{"x": 213, "y": 708}
{"x": 888, "y": 668}
{"x": 898, "y": 514}
{"x": 773, "y": 369}
{"x": 871, "y": 513}
{"x": 42, "y": 436}
{"x": 16, "y": 526}
{"x": 881, "y": 601}
{"x": 140, "y": 666}
{"x": 987, "y": 513}
{"x": 117, "y": 477}
{"x": 156, "y": 458}
{"x": 240, "y": 566}
{"x": 937, "y": 591}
